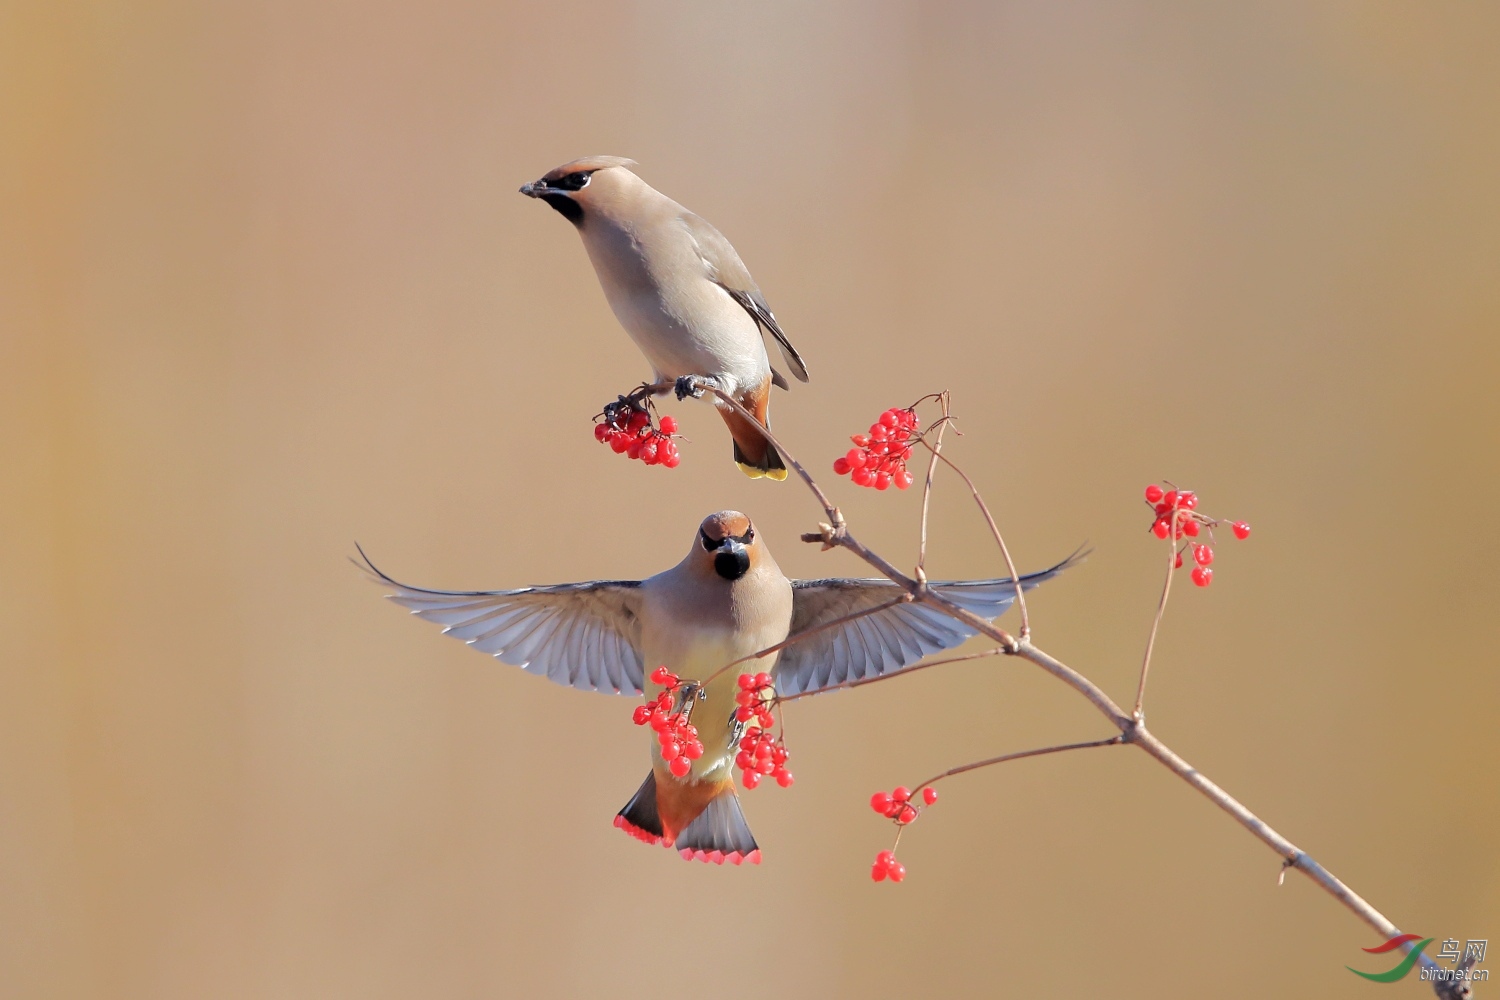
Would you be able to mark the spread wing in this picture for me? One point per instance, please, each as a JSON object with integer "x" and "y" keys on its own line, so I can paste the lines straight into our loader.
{"x": 888, "y": 640}
{"x": 585, "y": 635}
{"x": 729, "y": 272}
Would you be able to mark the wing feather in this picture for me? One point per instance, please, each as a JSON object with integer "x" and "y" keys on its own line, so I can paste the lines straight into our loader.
{"x": 886, "y": 640}
{"x": 729, "y": 272}
{"x": 584, "y": 635}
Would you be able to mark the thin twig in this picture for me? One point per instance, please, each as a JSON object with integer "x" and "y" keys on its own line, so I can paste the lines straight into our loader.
{"x": 976, "y": 765}
{"x": 937, "y": 451}
{"x": 892, "y": 674}
{"x": 1010, "y": 564}
{"x": 1161, "y": 609}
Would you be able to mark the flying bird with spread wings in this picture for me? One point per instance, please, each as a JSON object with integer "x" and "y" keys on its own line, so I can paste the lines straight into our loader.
{"x": 726, "y": 600}
{"x": 682, "y": 293}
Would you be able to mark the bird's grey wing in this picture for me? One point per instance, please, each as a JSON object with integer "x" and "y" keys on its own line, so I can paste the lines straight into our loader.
{"x": 887, "y": 640}
{"x": 729, "y": 272}
{"x": 585, "y": 635}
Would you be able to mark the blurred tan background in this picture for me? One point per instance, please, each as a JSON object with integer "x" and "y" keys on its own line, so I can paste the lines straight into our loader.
{"x": 268, "y": 289}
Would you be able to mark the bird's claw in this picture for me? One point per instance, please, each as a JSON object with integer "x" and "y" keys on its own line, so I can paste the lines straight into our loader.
{"x": 689, "y": 385}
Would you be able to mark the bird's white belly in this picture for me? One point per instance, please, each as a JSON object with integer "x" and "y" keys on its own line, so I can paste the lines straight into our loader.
{"x": 697, "y": 656}
{"x": 703, "y": 337}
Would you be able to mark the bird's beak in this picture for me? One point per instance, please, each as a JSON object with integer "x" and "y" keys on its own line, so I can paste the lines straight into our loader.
{"x": 535, "y": 189}
{"x": 732, "y": 559}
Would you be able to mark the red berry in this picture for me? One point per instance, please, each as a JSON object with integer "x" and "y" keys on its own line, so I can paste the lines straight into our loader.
{"x": 889, "y": 418}
{"x": 1153, "y": 493}
{"x": 1188, "y": 500}
{"x": 902, "y": 479}
{"x": 670, "y": 750}
{"x": 744, "y": 713}
{"x": 601, "y": 431}
{"x": 1169, "y": 498}
{"x": 762, "y": 679}
{"x": 1160, "y": 529}
{"x": 862, "y": 440}
{"x": 1202, "y": 555}
{"x": 672, "y": 459}
{"x": 906, "y": 815}
{"x": 841, "y": 466}
{"x": 750, "y": 778}
{"x": 877, "y": 872}
{"x": 641, "y": 715}
{"x": 882, "y": 480}
{"x": 783, "y": 777}
{"x": 1203, "y": 576}
{"x": 619, "y": 444}
{"x": 880, "y": 802}
{"x": 648, "y": 453}
{"x": 1177, "y": 563}
{"x": 896, "y": 872}
{"x": 929, "y": 795}
{"x": 901, "y": 794}
{"x": 693, "y": 750}
{"x": 680, "y": 767}
{"x": 1190, "y": 527}
{"x": 1241, "y": 529}
{"x": 863, "y": 477}
{"x": 669, "y": 425}
{"x": 855, "y": 457}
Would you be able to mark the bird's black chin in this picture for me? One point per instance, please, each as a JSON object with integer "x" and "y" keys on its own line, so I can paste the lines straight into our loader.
{"x": 570, "y": 209}
{"x": 732, "y": 565}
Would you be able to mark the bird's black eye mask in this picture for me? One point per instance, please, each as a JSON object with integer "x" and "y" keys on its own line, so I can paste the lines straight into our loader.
{"x": 710, "y": 544}
{"x": 576, "y": 181}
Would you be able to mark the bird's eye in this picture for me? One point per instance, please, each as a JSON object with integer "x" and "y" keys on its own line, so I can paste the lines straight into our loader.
{"x": 709, "y": 544}
{"x": 575, "y": 181}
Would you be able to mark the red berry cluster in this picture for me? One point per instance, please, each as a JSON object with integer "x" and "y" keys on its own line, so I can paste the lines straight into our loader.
{"x": 628, "y": 431}
{"x": 677, "y": 736}
{"x": 878, "y": 459}
{"x": 754, "y": 699}
{"x": 762, "y": 756}
{"x": 887, "y": 867}
{"x": 1177, "y": 516}
{"x": 897, "y": 805}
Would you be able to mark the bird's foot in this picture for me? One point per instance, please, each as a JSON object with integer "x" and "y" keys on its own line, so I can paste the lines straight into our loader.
{"x": 694, "y": 386}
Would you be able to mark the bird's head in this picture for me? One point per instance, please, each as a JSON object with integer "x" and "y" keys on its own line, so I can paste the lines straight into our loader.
{"x": 727, "y": 544}
{"x": 575, "y": 187}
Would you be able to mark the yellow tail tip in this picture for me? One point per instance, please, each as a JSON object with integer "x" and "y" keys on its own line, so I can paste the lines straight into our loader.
{"x": 755, "y": 472}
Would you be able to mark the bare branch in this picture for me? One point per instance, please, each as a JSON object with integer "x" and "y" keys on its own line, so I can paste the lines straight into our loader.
{"x": 1132, "y": 730}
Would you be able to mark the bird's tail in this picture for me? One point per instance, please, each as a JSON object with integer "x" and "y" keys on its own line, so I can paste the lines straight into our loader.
{"x": 702, "y": 820}
{"x": 756, "y": 457}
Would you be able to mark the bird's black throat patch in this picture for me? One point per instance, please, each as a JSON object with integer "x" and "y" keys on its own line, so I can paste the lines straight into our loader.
{"x": 570, "y": 209}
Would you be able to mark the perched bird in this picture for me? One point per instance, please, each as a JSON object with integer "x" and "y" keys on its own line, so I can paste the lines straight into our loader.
{"x": 725, "y": 600}
{"x": 680, "y": 291}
